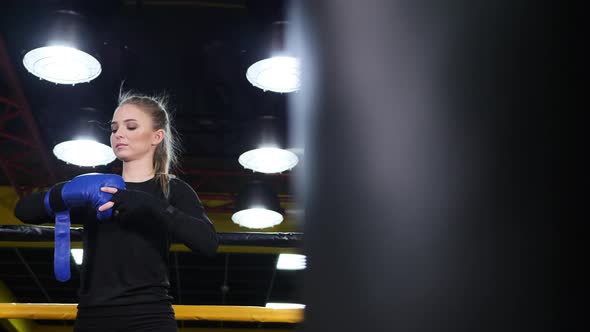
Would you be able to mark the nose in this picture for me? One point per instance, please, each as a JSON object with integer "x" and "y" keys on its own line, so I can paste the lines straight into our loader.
{"x": 118, "y": 134}
{"x": 116, "y": 138}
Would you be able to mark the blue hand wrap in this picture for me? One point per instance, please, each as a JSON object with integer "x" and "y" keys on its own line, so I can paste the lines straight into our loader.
{"x": 81, "y": 191}
{"x": 61, "y": 255}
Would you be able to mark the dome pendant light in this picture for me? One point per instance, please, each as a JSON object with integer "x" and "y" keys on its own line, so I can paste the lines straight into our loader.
{"x": 268, "y": 160}
{"x": 257, "y": 206}
{"x": 62, "y": 59}
{"x": 279, "y": 72}
{"x": 85, "y": 146}
{"x": 84, "y": 152}
{"x": 267, "y": 156}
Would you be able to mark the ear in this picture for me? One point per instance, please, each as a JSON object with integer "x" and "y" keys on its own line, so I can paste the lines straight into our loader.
{"x": 157, "y": 137}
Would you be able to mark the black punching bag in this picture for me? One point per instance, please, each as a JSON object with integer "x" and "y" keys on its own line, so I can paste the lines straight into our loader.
{"x": 427, "y": 173}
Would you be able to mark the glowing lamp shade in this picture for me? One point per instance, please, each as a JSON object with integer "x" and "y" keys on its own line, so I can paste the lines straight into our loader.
{"x": 277, "y": 305}
{"x": 277, "y": 74}
{"x": 84, "y": 152}
{"x": 291, "y": 262}
{"x": 257, "y": 218}
{"x": 257, "y": 206}
{"x": 268, "y": 160}
{"x": 62, "y": 65}
{"x": 78, "y": 255}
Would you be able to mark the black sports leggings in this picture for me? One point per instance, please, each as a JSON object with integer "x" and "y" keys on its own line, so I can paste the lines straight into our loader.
{"x": 160, "y": 322}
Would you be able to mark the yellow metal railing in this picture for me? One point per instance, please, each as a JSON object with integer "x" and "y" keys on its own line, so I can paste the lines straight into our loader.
{"x": 182, "y": 312}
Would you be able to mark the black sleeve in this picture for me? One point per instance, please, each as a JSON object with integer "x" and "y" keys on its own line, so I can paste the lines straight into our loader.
{"x": 31, "y": 209}
{"x": 187, "y": 221}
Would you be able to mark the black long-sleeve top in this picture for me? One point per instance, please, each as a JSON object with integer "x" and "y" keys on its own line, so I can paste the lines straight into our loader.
{"x": 126, "y": 261}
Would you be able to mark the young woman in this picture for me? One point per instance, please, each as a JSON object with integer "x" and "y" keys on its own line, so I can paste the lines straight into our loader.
{"x": 124, "y": 277}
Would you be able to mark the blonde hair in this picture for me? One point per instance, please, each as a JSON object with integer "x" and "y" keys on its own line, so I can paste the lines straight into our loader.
{"x": 166, "y": 154}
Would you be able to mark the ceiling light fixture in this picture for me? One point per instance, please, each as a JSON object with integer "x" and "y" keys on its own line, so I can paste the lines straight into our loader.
{"x": 63, "y": 57}
{"x": 84, "y": 152}
{"x": 84, "y": 145}
{"x": 62, "y": 64}
{"x": 257, "y": 206}
{"x": 268, "y": 160}
{"x": 279, "y": 73}
{"x": 267, "y": 157}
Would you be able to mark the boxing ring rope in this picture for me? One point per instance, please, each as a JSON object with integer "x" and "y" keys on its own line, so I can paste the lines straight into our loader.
{"x": 55, "y": 311}
{"x": 258, "y": 239}
{"x": 52, "y": 311}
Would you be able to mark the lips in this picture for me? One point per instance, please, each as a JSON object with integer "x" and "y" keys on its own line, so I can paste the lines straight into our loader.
{"x": 120, "y": 145}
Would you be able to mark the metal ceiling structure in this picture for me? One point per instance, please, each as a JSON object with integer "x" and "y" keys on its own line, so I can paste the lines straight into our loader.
{"x": 197, "y": 52}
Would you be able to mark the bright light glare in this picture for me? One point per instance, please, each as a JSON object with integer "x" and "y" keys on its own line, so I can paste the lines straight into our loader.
{"x": 274, "y": 305}
{"x": 257, "y": 218}
{"x": 268, "y": 160}
{"x": 62, "y": 64}
{"x": 84, "y": 152}
{"x": 78, "y": 255}
{"x": 277, "y": 74}
{"x": 291, "y": 262}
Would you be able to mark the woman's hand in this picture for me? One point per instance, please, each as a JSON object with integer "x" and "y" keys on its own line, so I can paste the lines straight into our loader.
{"x": 126, "y": 202}
{"x": 108, "y": 204}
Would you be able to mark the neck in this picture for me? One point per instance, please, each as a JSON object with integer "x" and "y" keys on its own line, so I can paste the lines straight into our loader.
{"x": 138, "y": 170}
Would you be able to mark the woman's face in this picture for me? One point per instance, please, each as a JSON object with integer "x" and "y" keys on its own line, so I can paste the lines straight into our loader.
{"x": 132, "y": 134}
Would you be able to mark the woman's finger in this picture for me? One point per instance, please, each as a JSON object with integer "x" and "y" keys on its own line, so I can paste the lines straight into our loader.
{"x": 109, "y": 190}
{"x": 106, "y": 206}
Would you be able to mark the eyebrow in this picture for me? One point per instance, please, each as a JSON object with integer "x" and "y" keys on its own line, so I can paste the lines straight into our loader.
{"x": 115, "y": 122}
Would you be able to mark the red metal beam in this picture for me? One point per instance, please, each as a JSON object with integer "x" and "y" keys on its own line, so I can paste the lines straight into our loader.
{"x": 17, "y": 139}
{"x": 10, "y": 111}
{"x": 16, "y": 107}
{"x": 6, "y": 101}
